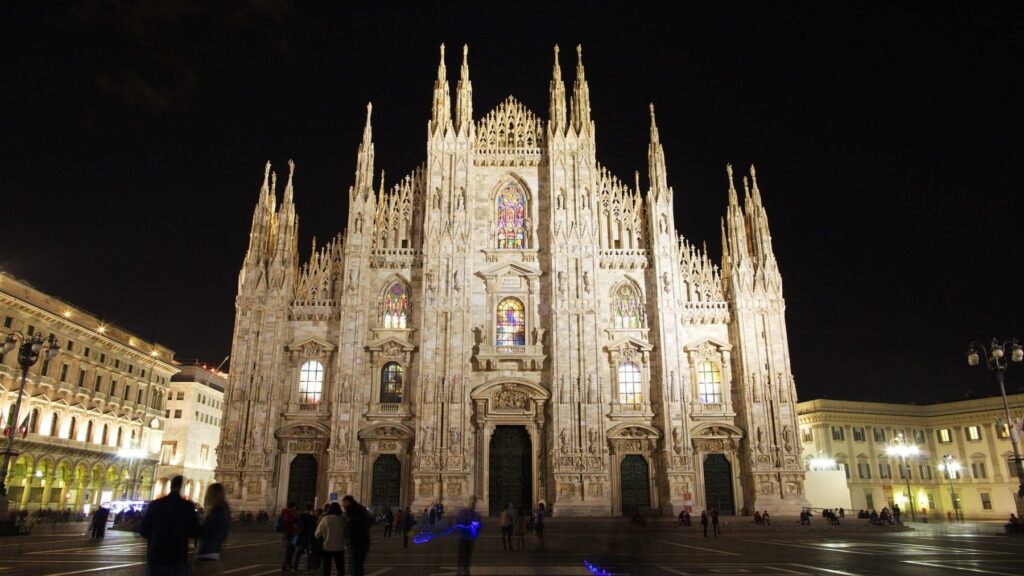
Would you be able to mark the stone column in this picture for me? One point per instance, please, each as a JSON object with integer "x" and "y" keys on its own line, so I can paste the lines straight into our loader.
{"x": 47, "y": 488}
{"x": 28, "y": 490}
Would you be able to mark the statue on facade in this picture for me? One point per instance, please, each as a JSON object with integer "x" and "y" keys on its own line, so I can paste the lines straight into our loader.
{"x": 677, "y": 439}
{"x": 563, "y": 440}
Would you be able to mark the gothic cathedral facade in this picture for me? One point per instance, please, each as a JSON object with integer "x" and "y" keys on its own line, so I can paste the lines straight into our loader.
{"x": 512, "y": 321}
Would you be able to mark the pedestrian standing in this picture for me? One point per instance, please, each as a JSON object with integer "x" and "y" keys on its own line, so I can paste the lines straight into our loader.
{"x": 358, "y": 532}
{"x": 408, "y": 523}
{"x": 896, "y": 513}
{"x": 508, "y": 518}
{"x": 389, "y": 522}
{"x": 467, "y": 522}
{"x": 704, "y": 522}
{"x": 288, "y": 522}
{"x": 538, "y": 526}
{"x": 167, "y": 527}
{"x": 213, "y": 532}
{"x": 99, "y": 522}
{"x": 519, "y": 528}
{"x": 714, "y": 522}
{"x": 332, "y": 531}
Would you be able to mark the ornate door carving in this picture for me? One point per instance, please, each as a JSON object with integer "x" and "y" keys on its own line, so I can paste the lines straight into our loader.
{"x": 511, "y": 469}
{"x": 635, "y": 483}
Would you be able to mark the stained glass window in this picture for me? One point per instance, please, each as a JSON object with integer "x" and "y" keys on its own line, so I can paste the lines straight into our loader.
{"x": 629, "y": 383}
{"x": 311, "y": 382}
{"x": 511, "y": 323}
{"x": 709, "y": 381}
{"x": 396, "y": 306}
{"x": 511, "y": 212}
{"x": 627, "y": 308}
{"x": 391, "y": 383}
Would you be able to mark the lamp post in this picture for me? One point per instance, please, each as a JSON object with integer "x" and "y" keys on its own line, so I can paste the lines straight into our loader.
{"x": 902, "y": 448}
{"x": 995, "y": 360}
{"x": 132, "y": 454}
{"x": 950, "y": 466}
{"x": 28, "y": 355}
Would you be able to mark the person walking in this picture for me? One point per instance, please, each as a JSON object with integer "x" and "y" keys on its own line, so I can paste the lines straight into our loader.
{"x": 714, "y": 522}
{"x": 519, "y": 528}
{"x": 896, "y": 513}
{"x": 704, "y": 522}
{"x": 408, "y": 523}
{"x": 358, "y": 533}
{"x": 99, "y": 522}
{"x": 306, "y": 525}
{"x": 468, "y": 523}
{"x": 507, "y": 520}
{"x": 332, "y": 531}
{"x": 389, "y": 522}
{"x": 288, "y": 523}
{"x": 213, "y": 532}
{"x": 538, "y": 526}
{"x": 168, "y": 525}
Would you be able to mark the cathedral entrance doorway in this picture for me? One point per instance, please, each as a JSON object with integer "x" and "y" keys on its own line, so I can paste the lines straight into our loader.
{"x": 635, "y": 479}
{"x": 511, "y": 469}
{"x": 718, "y": 484}
{"x": 387, "y": 482}
{"x": 302, "y": 474}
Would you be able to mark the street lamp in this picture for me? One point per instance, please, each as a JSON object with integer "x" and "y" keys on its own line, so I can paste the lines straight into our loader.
{"x": 950, "y": 466}
{"x": 28, "y": 355}
{"x": 822, "y": 462}
{"x": 132, "y": 454}
{"x": 996, "y": 362}
{"x": 902, "y": 448}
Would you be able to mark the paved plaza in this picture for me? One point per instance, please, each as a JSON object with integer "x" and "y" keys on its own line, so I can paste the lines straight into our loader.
{"x": 660, "y": 548}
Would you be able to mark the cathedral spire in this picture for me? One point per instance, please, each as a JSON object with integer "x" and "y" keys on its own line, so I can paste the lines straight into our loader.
{"x": 364, "y": 161}
{"x": 289, "y": 191}
{"x": 557, "y": 106}
{"x": 733, "y": 200}
{"x": 656, "y": 160}
{"x": 736, "y": 227}
{"x": 464, "y": 96}
{"x": 262, "y": 222}
{"x": 757, "y": 220}
{"x": 580, "y": 97}
{"x": 441, "y": 114}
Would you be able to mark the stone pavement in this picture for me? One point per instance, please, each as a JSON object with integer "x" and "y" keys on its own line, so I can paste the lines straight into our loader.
{"x": 612, "y": 544}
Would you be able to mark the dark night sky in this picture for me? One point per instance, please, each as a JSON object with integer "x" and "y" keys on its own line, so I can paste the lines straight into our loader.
{"x": 886, "y": 139}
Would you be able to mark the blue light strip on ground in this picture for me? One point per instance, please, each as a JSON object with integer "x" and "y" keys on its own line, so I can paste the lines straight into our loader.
{"x": 474, "y": 528}
{"x": 595, "y": 570}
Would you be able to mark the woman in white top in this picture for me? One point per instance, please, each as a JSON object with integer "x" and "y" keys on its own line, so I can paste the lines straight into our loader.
{"x": 333, "y": 532}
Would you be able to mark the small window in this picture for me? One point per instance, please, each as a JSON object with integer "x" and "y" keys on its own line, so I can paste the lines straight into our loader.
{"x": 167, "y": 413}
{"x": 391, "y": 383}
{"x": 919, "y": 436}
{"x": 807, "y": 435}
{"x": 926, "y": 471}
{"x": 117, "y": 362}
{"x": 64, "y": 373}
{"x": 31, "y": 330}
{"x": 884, "y": 470}
{"x": 1003, "y": 430}
{"x": 127, "y": 391}
{"x": 138, "y": 396}
{"x": 8, "y": 321}
{"x": 71, "y": 346}
{"x": 99, "y": 380}
{"x": 170, "y": 395}
{"x": 629, "y": 383}
{"x": 864, "y": 471}
{"x": 978, "y": 470}
{"x": 86, "y": 353}
{"x": 986, "y": 500}
{"x": 846, "y": 469}
{"x": 879, "y": 434}
{"x": 973, "y": 432}
{"x": 81, "y": 378}
{"x": 311, "y": 382}
{"x": 869, "y": 499}
{"x": 945, "y": 435}
{"x": 103, "y": 358}
{"x": 181, "y": 395}
{"x": 709, "y": 382}
{"x": 858, "y": 435}
{"x": 838, "y": 433}
{"x": 903, "y": 471}
{"x": 511, "y": 324}
{"x": 177, "y": 413}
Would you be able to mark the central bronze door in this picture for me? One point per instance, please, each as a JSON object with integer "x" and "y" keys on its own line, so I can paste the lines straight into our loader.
{"x": 302, "y": 480}
{"x": 511, "y": 469}
{"x": 635, "y": 479}
{"x": 387, "y": 482}
{"x": 718, "y": 484}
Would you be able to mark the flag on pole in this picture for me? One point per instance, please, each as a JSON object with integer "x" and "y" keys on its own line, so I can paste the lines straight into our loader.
{"x": 23, "y": 429}
{"x": 7, "y": 425}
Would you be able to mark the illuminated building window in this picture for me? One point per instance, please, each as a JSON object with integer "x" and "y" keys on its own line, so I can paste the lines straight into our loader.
{"x": 391, "y": 378}
{"x": 838, "y": 434}
{"x": 884, "y": 470}
{"x": 629, "y": 383}
{"x": 863, "y": 471}
{"x": 973, "y": 432}
{"x": 945, "y": 435}
{"x": 709, "y": 384}
{"x": 986, "y": 501}
{"x": 627, "y": 308}
{"x": 978, "y": 470}
{"x": 396, "y": 306}
{"x": 510, "y": 206}
{"x": 311, "y": 382}
{"x": 511, "y": 326}
{"x": 926, "y": 471}
{"x": 858, "y": 434}
{"x": 879, "y": 434}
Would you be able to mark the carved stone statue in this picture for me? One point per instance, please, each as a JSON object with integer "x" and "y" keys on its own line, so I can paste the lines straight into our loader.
{"x": 561, "y": 282}
{"x": 342, "y": 436}
{"x": 677, "y": 440}
{"x": 563, "y": 440}
{"x": 456, "y": 285}
{"x": 666, "y": 282}
{"x": 592, "y": 441}
{"x": 787, "y": 438}
{"x": 587, "y": 287}
{"x": 431, "y": 281}
{"x": 453, "y": 436}
{"x": 460, "y": 198}
{"x": 760, "y": 440}
{"x": 591, "y": 390}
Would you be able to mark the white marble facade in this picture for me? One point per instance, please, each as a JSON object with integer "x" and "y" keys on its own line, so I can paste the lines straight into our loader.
{"x": 553, "y": 313}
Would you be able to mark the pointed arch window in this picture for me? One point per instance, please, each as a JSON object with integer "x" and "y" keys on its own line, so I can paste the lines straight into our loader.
{"x": 627, "y": 307}
{"x": 391, "y": 383}
{"x": 511, "y": 323}
{"x": 709, "y": 383}
{"x": 396, "y": 307}
{"x": 629, "y": 383}
{"x": 311, "y": 382}
{"x": 511, "y": 217}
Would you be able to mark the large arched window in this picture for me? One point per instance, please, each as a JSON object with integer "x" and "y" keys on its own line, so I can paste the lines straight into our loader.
{"x": 88, "y": 432}
{"x": 396, "y": 306}
{"x": 627, "y": 307}
{"x": 71, "y": 429}
{"x": 391, "y": 383}
{"x": 510, "y": 207}
{"x": 311, "y": 382}
{"x": 629, "y": 383}
{"x": 511, "y": 323}
{"x": 709, "y": 383}
{"x": 52, "y": 430}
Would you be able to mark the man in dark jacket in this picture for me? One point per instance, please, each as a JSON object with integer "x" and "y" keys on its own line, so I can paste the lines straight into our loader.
{"x": 168, "y": 525}
{"x": 358, "y": 532}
